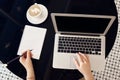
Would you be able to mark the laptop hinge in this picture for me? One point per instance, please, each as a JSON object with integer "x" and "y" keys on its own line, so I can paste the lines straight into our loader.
{"x": 78, "y": 34}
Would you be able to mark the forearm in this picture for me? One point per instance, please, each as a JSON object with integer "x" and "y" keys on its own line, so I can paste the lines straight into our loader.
{"x": 30, "y": 75}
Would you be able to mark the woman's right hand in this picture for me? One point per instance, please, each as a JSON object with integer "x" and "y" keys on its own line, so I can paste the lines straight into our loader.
{"x": 83, "y": 65}
{"x": 26, "y": 61}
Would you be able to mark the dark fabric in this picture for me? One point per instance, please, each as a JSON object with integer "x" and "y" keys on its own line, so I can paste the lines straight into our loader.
{"x": 6, "y": 5}
{"x": 12, "y": 21}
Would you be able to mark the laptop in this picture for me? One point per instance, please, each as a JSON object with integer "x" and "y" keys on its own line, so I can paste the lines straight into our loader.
{"x": 80, "y": 33}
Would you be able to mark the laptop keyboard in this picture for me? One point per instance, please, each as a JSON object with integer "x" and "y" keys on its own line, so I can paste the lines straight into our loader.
{"x": 79, "y": 44}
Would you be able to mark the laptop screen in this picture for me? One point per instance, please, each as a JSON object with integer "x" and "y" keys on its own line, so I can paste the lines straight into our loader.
{"x": 81, "y": 24}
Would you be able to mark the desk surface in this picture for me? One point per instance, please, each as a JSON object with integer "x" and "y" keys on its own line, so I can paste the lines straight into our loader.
{"x": 11, "y": 34}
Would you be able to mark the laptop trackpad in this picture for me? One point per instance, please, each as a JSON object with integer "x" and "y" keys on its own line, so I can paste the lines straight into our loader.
{"x": 72, "y": 65}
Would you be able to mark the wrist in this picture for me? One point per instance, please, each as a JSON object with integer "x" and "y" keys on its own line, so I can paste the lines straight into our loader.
{"x": 30, "y": 78}
{"x": 89, "y": 77}
{"x": 30, "y": 75}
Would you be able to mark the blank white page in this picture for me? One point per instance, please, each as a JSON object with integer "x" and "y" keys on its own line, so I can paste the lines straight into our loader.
{"x": 32, "y": 39}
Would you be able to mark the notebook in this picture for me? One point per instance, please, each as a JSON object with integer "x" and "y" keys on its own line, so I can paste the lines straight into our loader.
{"x": 32, "y": 39}
{"x": 80, "y": 33}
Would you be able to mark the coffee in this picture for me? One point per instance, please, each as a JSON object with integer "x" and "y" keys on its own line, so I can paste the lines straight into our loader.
{"x": 36, "y": 13}
{"x": 34, "y": 10}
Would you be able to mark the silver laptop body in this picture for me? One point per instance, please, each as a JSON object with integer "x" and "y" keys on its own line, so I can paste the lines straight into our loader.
{"x": 83, "y": 26}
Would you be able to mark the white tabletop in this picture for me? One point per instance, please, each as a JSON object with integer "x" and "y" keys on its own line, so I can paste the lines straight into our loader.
{"x": 6, "y": 74}
{"x": 112, "y": 67}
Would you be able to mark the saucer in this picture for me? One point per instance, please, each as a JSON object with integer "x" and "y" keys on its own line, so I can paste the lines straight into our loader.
{"x": 42, "y": 18}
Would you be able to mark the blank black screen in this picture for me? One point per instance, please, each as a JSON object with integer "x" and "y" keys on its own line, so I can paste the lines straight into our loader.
{"x": 81, "y": 24}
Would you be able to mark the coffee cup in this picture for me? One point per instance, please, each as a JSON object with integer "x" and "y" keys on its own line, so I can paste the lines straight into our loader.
{"x": 37, "y": 13}
{"x": 34, "y": 11}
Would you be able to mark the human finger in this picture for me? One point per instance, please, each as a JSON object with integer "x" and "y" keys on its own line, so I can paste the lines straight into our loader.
{"x": 23, "y": 56}
{"x": 87, "y": 57}
{"x": 79, "y": 57}
{"x": 76, "y": 63}
{"x": 29, "y": 54}
{"x": 84, "y": 56}
{"x": 22, "y": 59}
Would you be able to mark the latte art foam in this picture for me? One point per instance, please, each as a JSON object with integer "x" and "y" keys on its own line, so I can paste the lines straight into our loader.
{"x": 34, "y": 10}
